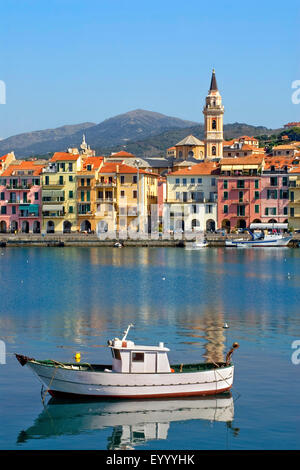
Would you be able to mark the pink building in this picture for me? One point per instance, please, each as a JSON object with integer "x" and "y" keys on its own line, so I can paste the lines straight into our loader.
{"x": 274, "y": 190}
{"x": 20, "y": 197}
{"x": 239, "y": 188}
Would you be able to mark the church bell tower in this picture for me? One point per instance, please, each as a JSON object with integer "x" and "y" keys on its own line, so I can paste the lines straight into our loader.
{"x": 213, "y": 122}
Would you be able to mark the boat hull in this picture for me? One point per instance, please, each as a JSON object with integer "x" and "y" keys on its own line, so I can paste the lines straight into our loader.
{"x": 68, "y": 382}
{"x": 280, "y": 242}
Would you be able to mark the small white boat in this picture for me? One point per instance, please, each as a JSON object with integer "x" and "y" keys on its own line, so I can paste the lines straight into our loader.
{"x": 261, "y": 240}
{"x": 136, "y": 372}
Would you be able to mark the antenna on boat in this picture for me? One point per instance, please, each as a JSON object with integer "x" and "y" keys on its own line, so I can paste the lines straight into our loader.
{"x": 126, "y": 331}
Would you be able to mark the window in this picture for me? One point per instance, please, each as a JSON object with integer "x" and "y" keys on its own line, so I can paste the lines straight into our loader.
{"x": 88, "y": 196}
{"x": 3, "y": 209}
{"x": 184, "y": 181}
{"x": 272, "y": 194}
{"x": 256, "y": 208}
{"x": 225, "y": 184}
{"x": 214, "y": 150}
{"x": 13, "y": 210}
{"x": 24, "y": 197}
{"x": 292, "y": 212}
{"x": 214, "y": 124}
{"x": 71, "y": 166}
{"x": 122, "y": 193}
{"x": 199, "y": 180}
{"x": 122, "y": 179}
{"x": 134, "y": 194}
{"x": 177, "y": 181}
{"x": 137, "y": 357}
{"x": 225, "y": 209}
{"x": 284, "y": 194}
{"x": 225, "y": 195}
{"x": 213, "y": 181}
{"x": 241, "y": 184}
{"x": 70, "y": 177}
{"x": 256, "y": 194}
{"x": 208, "y": 209}
{"x": 82, "y": 182}
{"x": 192, "y": 180}
{"x": 273, "y": 180}
{"x": 88, "y": 181}
{"x": 71, "y": 194}
{"x": 134, "y": 179}
{"x": 61, "y": 180}
{"x": 292, "y": 197}
{"x": 116, "y": 354}
{"x": 36, "y": 196}
{"x": 270, "y": 211}
{"x": 241, "y": 210}
{"x": 62, "y": 166}
{"x": 2, "y": 196}
{"x": 71, "y": 209}
{"x": 82, "y": 195}
{"x": 241, "y": 196}
{"x": 46, "y": 180}
{"x": 89, "y": 167}
{"x": 285, "y": 181}
{"x": 285, "y": 211}
{"x": 256, "y": 184}
{"x": 177, "y": 196}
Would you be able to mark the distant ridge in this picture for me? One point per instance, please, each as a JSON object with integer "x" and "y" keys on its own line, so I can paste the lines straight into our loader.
{"x": 134, "y": 125}
{"x": 139, "y": 132}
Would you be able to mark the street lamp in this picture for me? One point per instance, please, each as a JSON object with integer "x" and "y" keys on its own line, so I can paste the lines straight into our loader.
{"x": 137, "y": 163}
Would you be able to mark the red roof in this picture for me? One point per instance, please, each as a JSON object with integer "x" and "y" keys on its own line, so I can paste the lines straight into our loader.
{"x": 95, "y": 162}
{"x": 24, "y": 165}
{"x": 203, "y": 168}
{"x": 64, "y": 156}
{"x": 114, "y": 167}
{"x": 122, "y": 153}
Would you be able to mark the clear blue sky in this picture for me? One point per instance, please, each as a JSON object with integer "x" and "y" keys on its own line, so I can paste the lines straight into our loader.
{"x": 71, "y": 61}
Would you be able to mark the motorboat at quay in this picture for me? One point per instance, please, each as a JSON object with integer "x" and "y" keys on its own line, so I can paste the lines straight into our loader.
{"x": 269, "y": 235}
{"x": 136, "y": 372}
{"x": 133, "y": 422}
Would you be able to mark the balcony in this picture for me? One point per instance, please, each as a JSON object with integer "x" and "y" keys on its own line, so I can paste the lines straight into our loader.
{"x": 106, "y": 199}
{"x": 108, "y": 184}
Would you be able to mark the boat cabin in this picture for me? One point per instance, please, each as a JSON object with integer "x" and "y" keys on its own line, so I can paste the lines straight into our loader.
{"x": 129, "y": 358}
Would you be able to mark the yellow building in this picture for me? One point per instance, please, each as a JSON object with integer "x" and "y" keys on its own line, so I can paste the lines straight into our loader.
{"x": 86, "y": 193}
{"x": 120, "y": 190}
{"x": 59, "y": 193}
{"x": 213, "y": 122}
{"x": 294, "y": 198}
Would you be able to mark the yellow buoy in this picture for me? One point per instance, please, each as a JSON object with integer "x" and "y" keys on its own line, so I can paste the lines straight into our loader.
{"x": 77, "y": 357}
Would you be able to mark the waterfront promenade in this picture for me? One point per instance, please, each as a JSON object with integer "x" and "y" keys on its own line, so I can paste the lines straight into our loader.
{"x": 92, "y": 239}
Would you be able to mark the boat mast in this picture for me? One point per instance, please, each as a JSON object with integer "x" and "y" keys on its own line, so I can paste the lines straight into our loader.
{"x": 126, "y": 331}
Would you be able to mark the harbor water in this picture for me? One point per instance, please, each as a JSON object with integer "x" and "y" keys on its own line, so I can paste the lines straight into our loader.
{"x": 56, "y": 302}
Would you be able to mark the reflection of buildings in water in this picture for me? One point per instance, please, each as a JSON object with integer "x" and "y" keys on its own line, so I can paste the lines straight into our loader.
{"x": 210, "y": 326}
{"x": 133, "y": 422}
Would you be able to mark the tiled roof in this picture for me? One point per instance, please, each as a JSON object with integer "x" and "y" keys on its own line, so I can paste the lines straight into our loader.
{"x": 122, "y": 153}
{"x": 95, "y": 162}
{"x": 23, "y": 166}
{"x": 249, "y": 160}
{"x": 64, "y": 156}
{"x": 190, "y": 140}
{"x": 113, "y": 167}
{"x": 203, "y": 168}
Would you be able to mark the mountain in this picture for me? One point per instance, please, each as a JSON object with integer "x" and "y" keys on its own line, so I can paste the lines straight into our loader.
{"x": 157, "y": 145}
{"x": 30, "y": 143}
{"x": 118, "y": 130}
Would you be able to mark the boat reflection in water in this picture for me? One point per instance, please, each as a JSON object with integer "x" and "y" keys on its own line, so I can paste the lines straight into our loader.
{"x": 133, "y": 422}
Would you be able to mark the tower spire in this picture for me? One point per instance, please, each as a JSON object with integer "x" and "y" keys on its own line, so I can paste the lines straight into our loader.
{"x": 213, "y": 82}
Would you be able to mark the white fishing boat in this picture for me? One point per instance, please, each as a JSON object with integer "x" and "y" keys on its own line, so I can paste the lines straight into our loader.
{"x": 268, "y": 236}
{"x": 136, "y": 372}
{"x": 199, "y": 243}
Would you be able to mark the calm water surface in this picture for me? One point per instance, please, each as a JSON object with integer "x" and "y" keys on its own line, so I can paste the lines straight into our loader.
{"x": 55, "y": 302}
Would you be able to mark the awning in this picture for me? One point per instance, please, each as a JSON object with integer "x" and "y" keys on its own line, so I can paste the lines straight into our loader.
{"x": 226, "y": 167}
{"x": 53, "y": 193}
{"x": 250, "y": 167}
{"x": 52, "y": 207}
